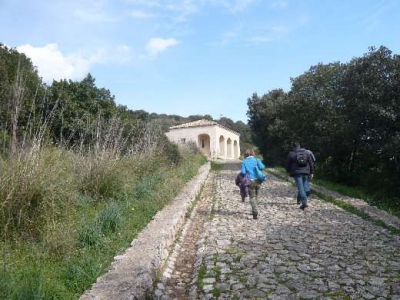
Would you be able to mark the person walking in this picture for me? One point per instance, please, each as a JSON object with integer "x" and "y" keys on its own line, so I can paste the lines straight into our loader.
{"x": 243, "y": 182}
{"x": 248, "y": 167}
{"x": 299, "y": 165}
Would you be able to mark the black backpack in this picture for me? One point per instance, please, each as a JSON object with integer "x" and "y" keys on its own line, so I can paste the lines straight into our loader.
{"x": 301, "y": 158}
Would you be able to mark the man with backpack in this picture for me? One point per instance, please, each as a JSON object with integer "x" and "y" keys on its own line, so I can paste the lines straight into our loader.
{"x": 300, "y": 166}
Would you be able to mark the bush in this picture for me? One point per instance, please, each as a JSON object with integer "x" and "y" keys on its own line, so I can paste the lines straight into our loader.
{"x": 110, "y": 219}
{"x": 99, "y": 177}
{"x": 36, "y": 190}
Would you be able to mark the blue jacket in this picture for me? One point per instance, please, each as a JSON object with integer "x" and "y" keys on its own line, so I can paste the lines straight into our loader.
{"x": 248, "y": 165}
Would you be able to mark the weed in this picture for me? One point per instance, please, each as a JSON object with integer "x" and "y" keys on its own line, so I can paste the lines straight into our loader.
{"x": 82, "y": 271}
{"x": 90, "y": 236}
{"x": 75, "y": 232}
{"x": 110, "y": 219}
{"x": 201, "y": 275}
{"x": 216, "y": 292}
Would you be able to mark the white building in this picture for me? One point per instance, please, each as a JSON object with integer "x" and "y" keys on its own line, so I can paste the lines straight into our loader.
{"x": 214, "y": 140}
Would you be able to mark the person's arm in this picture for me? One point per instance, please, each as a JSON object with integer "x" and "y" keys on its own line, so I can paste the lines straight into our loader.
{"x": 260, "y": 164}
{"x": 311, "y": 163}
{"x": 243, "y": 169}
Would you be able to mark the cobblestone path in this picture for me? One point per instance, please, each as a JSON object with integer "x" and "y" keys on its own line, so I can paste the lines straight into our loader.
{"x": 321, "y": 253}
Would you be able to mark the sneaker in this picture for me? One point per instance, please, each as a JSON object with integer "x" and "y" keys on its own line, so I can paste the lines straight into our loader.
{"x": 254, "y": 216}
{"x": 303, "y": 206}
{"x": 243, "y": 199}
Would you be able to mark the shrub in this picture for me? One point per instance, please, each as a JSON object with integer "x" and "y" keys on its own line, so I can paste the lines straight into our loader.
{"x": 110, "y": 219}
{"x": 36, "y": 188}
{"x": 90, "y": 235}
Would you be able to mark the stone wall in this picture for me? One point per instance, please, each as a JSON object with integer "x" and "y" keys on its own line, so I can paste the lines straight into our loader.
{"x": 133, "y": 273}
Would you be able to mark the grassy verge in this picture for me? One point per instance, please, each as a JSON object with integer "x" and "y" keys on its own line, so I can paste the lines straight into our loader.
{"x": 75, "y": 214}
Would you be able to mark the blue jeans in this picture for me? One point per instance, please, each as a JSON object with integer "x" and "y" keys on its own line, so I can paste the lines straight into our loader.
{"x": 307, "y": 188}
{"x": 302, "y": 182}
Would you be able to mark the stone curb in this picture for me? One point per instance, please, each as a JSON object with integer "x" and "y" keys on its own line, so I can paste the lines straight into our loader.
{"x": 360, "y": 204}
{"x": 133, "y": 273}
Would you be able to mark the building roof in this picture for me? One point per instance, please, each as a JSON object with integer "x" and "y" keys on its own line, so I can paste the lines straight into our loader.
{"x": 201, "y": 123}
{"x": 198, "y": 123}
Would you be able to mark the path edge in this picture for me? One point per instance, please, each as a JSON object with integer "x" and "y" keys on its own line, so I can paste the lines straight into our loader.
{"x": 132, "y": 274}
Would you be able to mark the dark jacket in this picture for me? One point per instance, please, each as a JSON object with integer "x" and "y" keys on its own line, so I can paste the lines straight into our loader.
{"x": 291, "y": 163}
{"x": 242, "y": 180}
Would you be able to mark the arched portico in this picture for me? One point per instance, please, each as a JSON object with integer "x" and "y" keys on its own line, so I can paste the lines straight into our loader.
{"x": 213, "y": 140}
{"x": 204, "y": 144}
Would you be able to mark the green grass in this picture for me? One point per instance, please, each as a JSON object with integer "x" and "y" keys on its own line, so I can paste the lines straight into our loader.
{"x": 202, "y": 273}
{"x": 216, "y": 166}
{"x": 76, "y": 237}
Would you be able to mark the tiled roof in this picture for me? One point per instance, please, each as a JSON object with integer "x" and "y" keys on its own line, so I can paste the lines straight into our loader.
{"x": 202, "y": 123}
{"x": 197, "y": 123}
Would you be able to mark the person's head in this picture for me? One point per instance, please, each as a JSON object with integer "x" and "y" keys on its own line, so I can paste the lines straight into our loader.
{"x": 296, "y": 144}
{"x": 249, "y": 152}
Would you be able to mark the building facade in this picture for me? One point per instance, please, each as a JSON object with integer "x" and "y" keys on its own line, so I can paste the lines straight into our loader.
{"x": 213, "y": 140}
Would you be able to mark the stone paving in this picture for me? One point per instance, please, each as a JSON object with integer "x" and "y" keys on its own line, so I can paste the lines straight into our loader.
{"x": 321, "y": 253}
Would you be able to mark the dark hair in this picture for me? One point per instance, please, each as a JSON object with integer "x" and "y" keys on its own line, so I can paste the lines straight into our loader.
{"x": 296, "y": 144}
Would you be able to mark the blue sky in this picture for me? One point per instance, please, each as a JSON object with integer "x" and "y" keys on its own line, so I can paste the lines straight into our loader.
{"x": 190, "y": 57}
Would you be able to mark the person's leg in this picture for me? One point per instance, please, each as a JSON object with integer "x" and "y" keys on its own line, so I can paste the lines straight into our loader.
{"x": 253, "y": 198}
{"x": 242, "y": 191}
{"x": 300, "y": 188}
{"x": 307, "y": 186}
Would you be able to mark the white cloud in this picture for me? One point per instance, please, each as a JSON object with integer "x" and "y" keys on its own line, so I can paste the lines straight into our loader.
{"x": 157, "y": 45}
{"x": 53, "y": 64}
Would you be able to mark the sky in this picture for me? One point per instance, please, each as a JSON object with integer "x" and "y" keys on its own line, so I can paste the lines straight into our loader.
{"x": 194, "y": 57}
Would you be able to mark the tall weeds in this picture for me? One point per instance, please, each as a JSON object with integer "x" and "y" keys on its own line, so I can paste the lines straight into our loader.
{"x": 68, "y": 206}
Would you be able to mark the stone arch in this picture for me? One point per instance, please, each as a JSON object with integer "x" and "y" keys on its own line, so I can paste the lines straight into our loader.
{"x": 203, "y": 140}
{"x": 222, "y": 146}
{"x": 229, "y": 148}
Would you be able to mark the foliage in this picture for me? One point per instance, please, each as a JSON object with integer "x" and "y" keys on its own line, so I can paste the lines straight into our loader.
{"x": 94, "y": 227}
{"x": 80, "y": 178}
{"x": 347, "y": 114}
